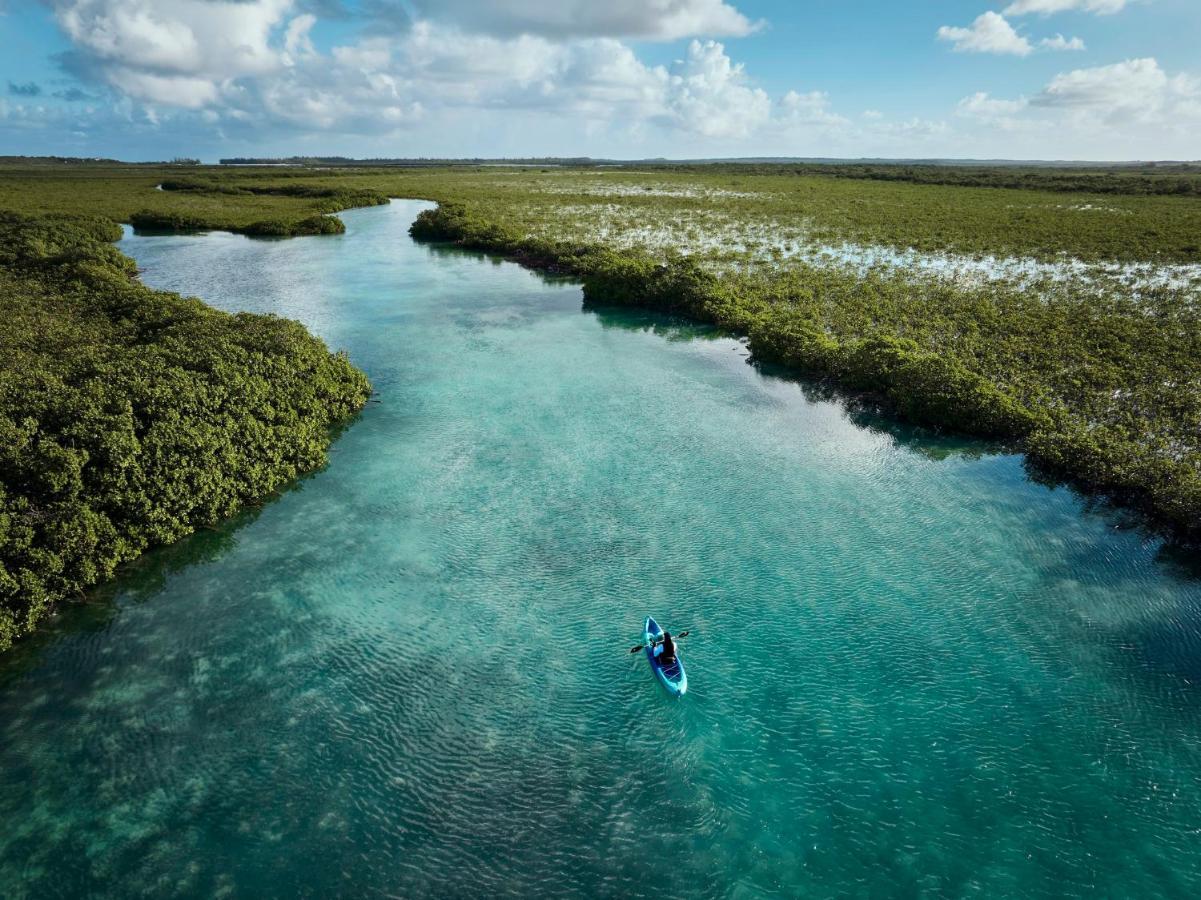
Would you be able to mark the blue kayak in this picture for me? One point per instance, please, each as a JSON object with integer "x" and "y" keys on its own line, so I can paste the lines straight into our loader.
{"x": 671, "y": 676}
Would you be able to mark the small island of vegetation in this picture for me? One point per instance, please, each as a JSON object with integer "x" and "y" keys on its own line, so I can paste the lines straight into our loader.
{"x": 130, "y": 417}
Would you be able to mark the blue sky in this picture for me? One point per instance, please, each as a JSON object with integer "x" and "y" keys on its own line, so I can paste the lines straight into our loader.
{"x": 152, "y": 79}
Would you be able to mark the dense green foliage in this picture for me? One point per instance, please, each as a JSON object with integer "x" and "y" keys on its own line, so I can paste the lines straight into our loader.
{"x": 332, "y": 198}
{"x": 148, "y": 220}
{"x": 184, "y": 204}
{"x": 129, "y": 417}
{"x": 328, "y": 200}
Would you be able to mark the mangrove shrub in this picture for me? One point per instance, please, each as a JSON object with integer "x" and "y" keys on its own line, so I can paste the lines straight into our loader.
{"x": 130, "y": 417}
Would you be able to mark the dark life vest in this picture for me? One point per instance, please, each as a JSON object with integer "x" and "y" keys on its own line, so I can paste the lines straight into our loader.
{"x": 668, "y": 656}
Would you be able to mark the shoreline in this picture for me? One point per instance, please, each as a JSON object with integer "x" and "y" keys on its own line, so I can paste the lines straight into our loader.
{"x": 134, "y": 417}
{"x": 915, "y": 385}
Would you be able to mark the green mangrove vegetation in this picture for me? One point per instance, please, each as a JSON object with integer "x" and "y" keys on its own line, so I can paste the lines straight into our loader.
{"x": 130, "y": 417}
{"x": 327, "y": 200}
{"x": 149, "y": 220}
{"x": 1182, "y": 179}
{"x": 737, "y": 216}
{"x": 1056, "y": 310}
{"x": 159, "y": 199}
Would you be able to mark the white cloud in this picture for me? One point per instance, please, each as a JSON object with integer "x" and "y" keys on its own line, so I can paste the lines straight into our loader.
{"x": 655, "y": 19}
{"x": 709, "y": 94}
{"x": 994, "y": 112}
{"x": 594, "y": 78}
{"x": 1059, "y": 42}
{"x": 915, "y": 129}
{"x": 214, "y": 38}
{"x": 1049, "y": 7}
{"x": 1136, "y": 88}
{"x": 260, "y": 72}
{"x": 811, "y": 110}
{"x": 296, "y": 37}
{"x": 210, "y": 73}
{"x": 186, "y": 91}
{"x": 990, "y": 33}
{"x": 981, "y": 105}
{"x": 1112, "y": 109}
{"x": 369, "y": 55}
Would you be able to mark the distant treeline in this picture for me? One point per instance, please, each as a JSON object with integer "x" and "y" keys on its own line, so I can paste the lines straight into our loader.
{"x": 1182, "y": 179}
{"x": 341, "y": 197}
{"x": 344, "y": 161}
{"x": 130, "y": 417}
{"x": 1133, "y": 179}
{"x": 89, "y": 161}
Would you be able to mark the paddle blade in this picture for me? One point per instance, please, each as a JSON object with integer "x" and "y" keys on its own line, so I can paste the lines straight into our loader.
{"x": 636, "y": 649}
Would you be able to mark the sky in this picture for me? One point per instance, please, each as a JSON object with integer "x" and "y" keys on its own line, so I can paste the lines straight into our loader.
{"x": 983, "y": 79}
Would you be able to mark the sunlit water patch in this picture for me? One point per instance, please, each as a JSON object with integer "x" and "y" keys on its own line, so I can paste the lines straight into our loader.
{"x": 913, "y": 671}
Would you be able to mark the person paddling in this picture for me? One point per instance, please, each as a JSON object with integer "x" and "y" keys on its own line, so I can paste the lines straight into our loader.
{"x": 665, "y": 650}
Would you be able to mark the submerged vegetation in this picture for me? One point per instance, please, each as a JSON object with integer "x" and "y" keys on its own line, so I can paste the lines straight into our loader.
{"x": 1055, "y": 310}
{"x": 130, "y": 417}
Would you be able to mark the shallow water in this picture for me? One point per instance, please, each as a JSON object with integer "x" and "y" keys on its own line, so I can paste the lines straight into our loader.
{"x": 913, "y": 671}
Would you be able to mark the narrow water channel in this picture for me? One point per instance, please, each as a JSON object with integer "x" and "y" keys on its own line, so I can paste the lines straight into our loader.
{"x": 912, "y": 670}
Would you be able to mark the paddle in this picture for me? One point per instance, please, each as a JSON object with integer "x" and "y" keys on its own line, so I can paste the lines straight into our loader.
{"x": 643, "y": 646}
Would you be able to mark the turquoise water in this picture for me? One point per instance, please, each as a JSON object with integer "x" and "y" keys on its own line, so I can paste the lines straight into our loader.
{"x": 913, "y": 671}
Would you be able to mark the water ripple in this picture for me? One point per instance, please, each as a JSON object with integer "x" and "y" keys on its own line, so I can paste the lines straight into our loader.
{"x": 913, "y": 672}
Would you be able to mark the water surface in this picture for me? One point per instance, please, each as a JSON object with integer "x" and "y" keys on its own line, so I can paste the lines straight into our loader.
{"x": 913, "y": 671}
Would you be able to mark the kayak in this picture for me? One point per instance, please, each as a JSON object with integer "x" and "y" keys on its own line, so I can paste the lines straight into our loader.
{"x": 672, "y": 677}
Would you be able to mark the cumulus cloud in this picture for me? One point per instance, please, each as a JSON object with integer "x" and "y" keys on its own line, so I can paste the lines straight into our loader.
{"x": 253, "y": 58}
{"x": 1049, "y": 7}
{"x": 1135, "y": 88}
{"x": 1099, "y": 106}
{"x": 654, "y": 19}
{"x": 197, "y": 38}
{"x": 1059, "y": 42}
{"x": 990, "y": 33}
{"x": 190, "y": 92}
{"x": 179, "y": 52}
{"x": 246, "y": 64}
{"x": 242, "y": 59}
{"x": 981, "y": 105}
{"x": 253, "y": 68}
{"x": 993, "y": 112}
{"x": 709, "y": 94}
{"x": 813, "y": 111}
{"x": 296, "y": 36}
